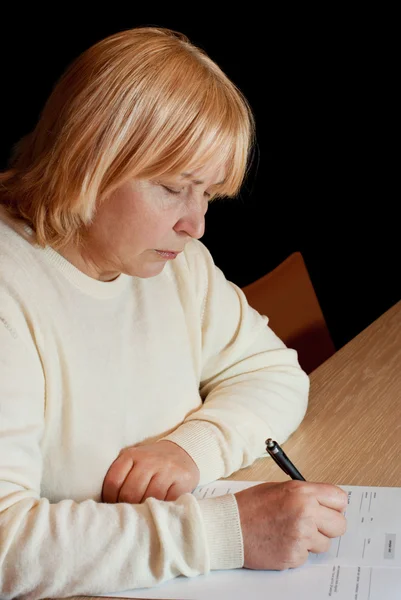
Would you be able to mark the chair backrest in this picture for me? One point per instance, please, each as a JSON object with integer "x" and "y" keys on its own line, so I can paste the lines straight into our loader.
{"x": 287, "y": 297}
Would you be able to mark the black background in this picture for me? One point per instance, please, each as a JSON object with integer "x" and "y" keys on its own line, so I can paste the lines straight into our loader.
{"x": 324, "y": 179}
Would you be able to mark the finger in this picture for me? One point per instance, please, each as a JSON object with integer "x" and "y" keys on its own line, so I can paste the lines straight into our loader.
{"x": 319, "y": 544}
{"x": 331, "y": 523}
{"x": 135, "y": 485}
{"x": 176, "y": 490}
{"x": 115, "y": 478}
{"x": 157, "y": 488}
{"x": 330, "y": 496}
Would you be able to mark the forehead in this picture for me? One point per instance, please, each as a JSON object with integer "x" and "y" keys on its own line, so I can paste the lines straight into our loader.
{"x": 206, "y": 174}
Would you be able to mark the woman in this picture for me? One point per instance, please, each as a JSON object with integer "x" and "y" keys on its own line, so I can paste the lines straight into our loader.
{"x": 130, "y": 369}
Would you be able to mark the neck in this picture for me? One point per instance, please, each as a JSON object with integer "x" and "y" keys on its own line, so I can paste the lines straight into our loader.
{"x": 85, "y": 263}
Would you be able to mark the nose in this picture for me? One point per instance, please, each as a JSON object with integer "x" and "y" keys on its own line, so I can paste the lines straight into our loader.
{"x": 192, "y": 223}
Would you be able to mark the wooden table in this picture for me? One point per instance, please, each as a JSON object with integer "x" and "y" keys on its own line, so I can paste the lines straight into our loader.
{"x": 351, "y": 433}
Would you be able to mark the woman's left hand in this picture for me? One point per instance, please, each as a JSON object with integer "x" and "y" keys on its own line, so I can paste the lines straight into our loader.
{"x": 162, "y": 470}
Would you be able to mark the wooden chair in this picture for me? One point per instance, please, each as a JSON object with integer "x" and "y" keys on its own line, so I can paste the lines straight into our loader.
{"x": 287, "y": 297}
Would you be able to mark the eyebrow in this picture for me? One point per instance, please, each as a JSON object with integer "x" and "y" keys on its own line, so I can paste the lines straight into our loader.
{"x": 198, "y": 181}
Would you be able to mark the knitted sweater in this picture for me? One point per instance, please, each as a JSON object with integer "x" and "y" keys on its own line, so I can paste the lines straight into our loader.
{"x": 88, "y": 368}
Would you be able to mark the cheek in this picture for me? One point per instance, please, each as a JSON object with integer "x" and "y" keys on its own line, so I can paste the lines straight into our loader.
{"x": 147, "y": 230}
{"x": 134, "y": 224}
{"x": 156, "y": 222}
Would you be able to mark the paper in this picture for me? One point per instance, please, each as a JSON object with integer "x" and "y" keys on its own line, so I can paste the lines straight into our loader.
{"x": 315, "y": 583}
{"x": 373, "y": 536}
{"x": 364, "y": 564}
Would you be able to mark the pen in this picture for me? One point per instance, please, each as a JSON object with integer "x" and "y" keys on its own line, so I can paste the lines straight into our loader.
{"x": 280, "y": 457}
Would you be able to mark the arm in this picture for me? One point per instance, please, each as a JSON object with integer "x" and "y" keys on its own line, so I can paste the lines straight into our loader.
{"x": 69, "y": 548}
{"x": 252, "y": 385}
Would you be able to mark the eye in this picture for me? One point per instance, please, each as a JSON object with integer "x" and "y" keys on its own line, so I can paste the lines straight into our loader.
{"x": 177, "y": 192}
{"x": 171, "y": 191}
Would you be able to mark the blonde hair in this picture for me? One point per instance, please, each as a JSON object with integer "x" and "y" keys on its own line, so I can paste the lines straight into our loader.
{"x": 141, "y": 103}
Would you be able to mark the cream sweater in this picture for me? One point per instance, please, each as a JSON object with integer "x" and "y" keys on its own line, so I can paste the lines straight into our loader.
{"x": 87, "y": 368}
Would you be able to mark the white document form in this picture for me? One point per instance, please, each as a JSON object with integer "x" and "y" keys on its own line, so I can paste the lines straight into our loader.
{"x": 364, "y": 564}
{"x": 373, "y": 536}
{"x": 373, "y": 525}
{"x": 315, "y": 583}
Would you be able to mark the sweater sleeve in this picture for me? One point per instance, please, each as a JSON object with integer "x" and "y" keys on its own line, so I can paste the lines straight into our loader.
{"x": 87, "y": 548}
{"x": 252, "y": 384}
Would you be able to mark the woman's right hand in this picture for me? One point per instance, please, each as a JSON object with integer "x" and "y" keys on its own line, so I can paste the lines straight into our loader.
{"x": 282, "y": 522}
{"x": 161, "y": 470}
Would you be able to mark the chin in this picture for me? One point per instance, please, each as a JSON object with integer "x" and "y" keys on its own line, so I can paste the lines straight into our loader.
{"x": 147, "y": 271}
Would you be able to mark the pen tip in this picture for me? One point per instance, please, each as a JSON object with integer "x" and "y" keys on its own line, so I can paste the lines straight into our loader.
{"x": 269, "y": 443}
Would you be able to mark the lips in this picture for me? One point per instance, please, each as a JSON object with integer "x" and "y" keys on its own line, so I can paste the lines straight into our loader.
{"x": 168, "y": 253}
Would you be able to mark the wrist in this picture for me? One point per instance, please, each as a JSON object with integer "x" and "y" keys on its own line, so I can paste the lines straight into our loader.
{"x": 200, "y": 440}
{"x": 223, "y": 532}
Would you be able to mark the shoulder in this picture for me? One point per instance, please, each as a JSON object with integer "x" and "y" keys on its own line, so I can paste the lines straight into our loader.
{"x": 17, "y": 285}
{"x": 191, "y": 274}
{"x": 195, "y": 264}
{"x": 196, "y": 254}
{"x": 14, "y": 250}
{"x": 199, "y": 261}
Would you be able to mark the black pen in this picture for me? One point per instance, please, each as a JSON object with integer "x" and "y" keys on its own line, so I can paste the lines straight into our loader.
{"x": 280, "y": 457}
